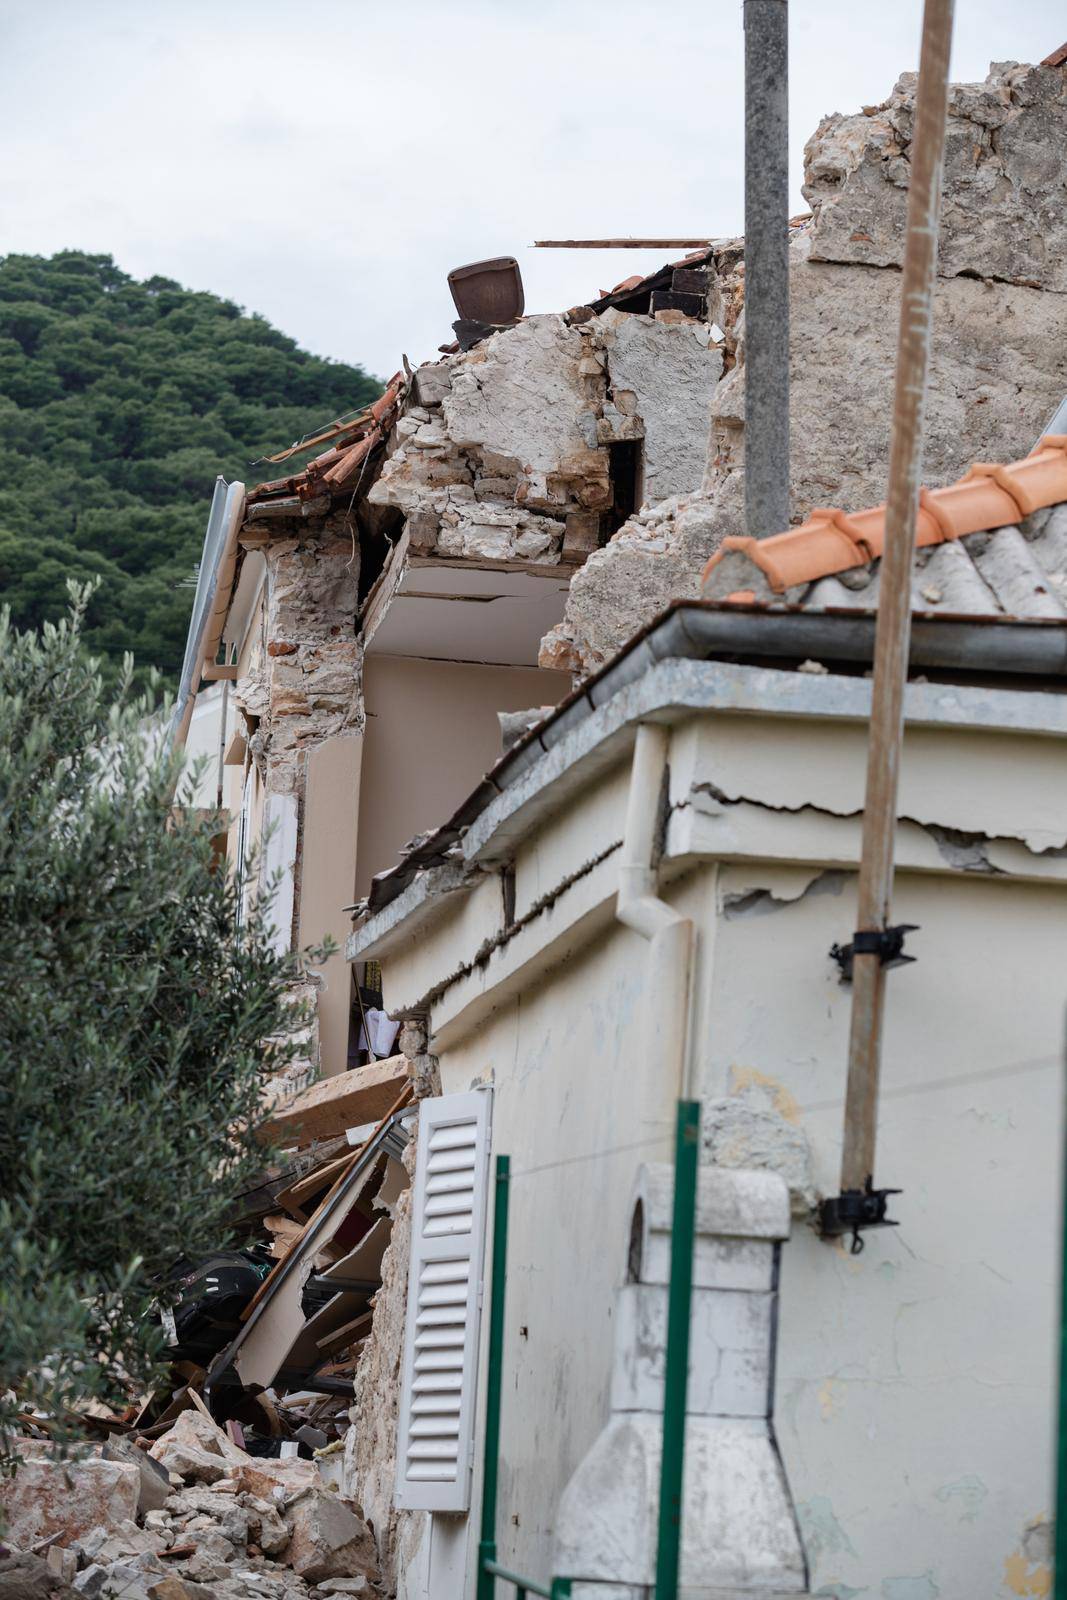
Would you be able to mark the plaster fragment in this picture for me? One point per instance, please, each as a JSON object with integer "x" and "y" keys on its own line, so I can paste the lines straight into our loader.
{"x": 756, "y": 1126}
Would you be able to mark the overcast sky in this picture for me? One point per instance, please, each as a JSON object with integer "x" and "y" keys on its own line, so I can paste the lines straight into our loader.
{"x": 327, "y": 164}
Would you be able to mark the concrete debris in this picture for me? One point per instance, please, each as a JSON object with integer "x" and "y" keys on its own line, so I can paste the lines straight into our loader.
{"x": 326, "y": 1539}
{"x": 514, "y": 724}
{"x": 154, "y": 1483}
{"x": 1002, "y": 211}
{"x": 206, "y": 1541}
{"x": 24, "y": 1576}
{"x": 656, "y": 557}
{"x": 68, "y": 1498}
{"x": 508, "y": 454}
{"x": 999, "y": 363}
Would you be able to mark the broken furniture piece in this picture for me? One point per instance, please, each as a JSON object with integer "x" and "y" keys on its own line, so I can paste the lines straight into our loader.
{"x": 488, "y": 296}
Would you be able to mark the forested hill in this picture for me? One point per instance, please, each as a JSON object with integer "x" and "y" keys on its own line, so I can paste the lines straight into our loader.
{"x": 119, "y": 403}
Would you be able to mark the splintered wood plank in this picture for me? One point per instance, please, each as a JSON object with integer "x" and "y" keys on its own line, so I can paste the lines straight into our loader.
{"x": 330, "y": 1106}
{"x": 348, "y": 1334}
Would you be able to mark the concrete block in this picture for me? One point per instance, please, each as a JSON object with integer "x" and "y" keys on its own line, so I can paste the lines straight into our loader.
{"x": 327, "y": 1539}
{"x": 68, "y": 1498}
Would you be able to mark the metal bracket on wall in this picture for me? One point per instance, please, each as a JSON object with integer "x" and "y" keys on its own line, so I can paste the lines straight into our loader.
{"x": 885, "y": 943}
{"x": 853, "y": 1210}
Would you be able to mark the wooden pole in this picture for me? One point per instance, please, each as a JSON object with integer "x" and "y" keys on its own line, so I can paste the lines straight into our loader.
{"x": 893, "y": 635}
{"x": 622, "y": 244}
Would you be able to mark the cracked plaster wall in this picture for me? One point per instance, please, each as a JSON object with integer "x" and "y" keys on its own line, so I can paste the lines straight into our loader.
{"x": 914, "y": 1380}
{"x": 913, "y": 1396}
{"x": 999, "y": 366}
{"x": 504, "y": 455}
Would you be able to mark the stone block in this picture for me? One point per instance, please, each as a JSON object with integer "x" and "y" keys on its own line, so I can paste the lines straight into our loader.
{"x": 68, "y": 1498}
{"x": 154, "y": 1484}
{"x": 433, "y": 382}
{"x": 327, "y": 1539}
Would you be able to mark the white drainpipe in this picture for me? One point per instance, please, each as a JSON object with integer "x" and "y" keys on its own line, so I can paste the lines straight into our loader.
{"x": 640, "y": 907}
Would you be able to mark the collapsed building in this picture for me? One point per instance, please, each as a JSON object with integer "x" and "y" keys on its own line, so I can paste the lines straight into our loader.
{"x": 999, "y": 361}
{"x": 484, "y": 540}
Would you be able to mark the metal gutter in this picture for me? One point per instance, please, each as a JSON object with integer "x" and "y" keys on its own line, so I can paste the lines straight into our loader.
{"x": 706, "y": 629}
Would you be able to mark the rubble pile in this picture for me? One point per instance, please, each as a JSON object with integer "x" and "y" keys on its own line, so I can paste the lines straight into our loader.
{"x": 194, "y": 1517}
{"x": 998, "y": 368}
{"x": 230, "y": 1478}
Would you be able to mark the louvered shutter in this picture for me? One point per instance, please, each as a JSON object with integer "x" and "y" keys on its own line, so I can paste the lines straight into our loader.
{"x": 435, "y": 1436}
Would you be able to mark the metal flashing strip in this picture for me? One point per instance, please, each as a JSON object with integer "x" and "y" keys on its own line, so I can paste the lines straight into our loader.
{"x": 216, "y": 556}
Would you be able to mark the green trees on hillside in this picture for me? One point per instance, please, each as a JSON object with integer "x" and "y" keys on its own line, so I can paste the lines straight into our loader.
{"x": 119, "y": 403}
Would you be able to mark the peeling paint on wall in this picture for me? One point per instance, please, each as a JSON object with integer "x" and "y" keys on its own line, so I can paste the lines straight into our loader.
{"x": 924, "y": 1587}
{"x": 823, "y": 1535}
{"x": 1028, "y": 1570}
{"x": 969, "y": 1491}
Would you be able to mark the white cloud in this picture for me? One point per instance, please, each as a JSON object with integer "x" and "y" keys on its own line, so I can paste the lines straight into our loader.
{"x": 327, "y": 165}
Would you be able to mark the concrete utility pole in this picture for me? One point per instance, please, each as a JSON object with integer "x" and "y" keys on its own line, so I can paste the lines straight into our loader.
{"x": 766, "y": 267}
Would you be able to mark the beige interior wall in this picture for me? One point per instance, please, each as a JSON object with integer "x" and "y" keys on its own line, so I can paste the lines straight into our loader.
{"x": 327, "y": 881}
{"x": 431, "y": 733}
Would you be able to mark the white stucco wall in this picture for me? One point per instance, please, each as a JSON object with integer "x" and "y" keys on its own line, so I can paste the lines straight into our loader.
{"x": 913, "y": 1401}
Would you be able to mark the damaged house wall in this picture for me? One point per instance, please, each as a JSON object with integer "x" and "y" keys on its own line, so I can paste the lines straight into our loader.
{"x": 507, "y": 454}
{"x": 999, "y": 363}
{"x": 913, "y": 1394}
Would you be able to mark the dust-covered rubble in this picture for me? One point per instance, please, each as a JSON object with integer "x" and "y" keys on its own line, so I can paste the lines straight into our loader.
{"x": 242, "y": 1527}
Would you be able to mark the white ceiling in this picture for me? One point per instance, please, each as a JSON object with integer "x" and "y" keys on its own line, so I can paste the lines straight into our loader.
{"x": 463, "y": 613}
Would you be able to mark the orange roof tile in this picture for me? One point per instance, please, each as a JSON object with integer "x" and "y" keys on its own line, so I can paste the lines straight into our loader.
{"x": 832, "y": 541}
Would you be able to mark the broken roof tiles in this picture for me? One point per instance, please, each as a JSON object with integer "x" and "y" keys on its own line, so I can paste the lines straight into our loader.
{"x": 338, "y": 469}
{"x": 987, "y": 545}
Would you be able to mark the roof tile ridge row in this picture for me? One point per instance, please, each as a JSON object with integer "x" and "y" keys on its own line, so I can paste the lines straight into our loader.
{"x": 830, "y": 540}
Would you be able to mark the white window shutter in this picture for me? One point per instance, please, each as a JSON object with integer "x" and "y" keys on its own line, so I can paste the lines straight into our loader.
{"x": 435, "y": 1435}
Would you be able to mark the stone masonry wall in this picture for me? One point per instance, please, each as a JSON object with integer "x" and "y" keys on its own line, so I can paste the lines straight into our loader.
{"x": 304, "y": 678}
{"x": 999, "y": 366}
{"x": 505, "y": 455}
